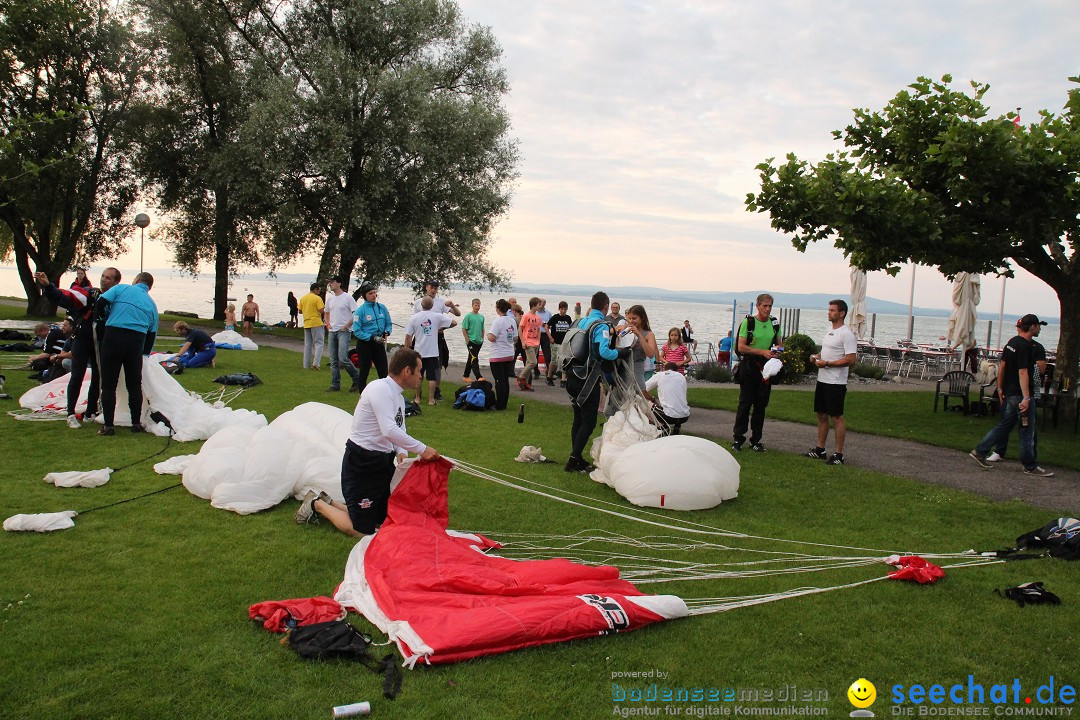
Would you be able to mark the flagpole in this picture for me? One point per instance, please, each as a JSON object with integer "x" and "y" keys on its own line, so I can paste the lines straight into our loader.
{"x": 1001, "y": 311}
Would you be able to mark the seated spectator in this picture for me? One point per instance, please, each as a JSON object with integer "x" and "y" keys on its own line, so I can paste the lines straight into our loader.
{"x": 52, "y": 343}
{"x": 198, "y": 349}
{"x": 675, "y": 351}
{"x": 671, "y": 409}
{"x": 60, "y": 363}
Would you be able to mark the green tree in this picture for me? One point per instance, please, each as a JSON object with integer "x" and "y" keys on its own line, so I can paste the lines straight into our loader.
{"x": 68, "y": 72}
{"x": 190, "y": 146}
{"x": 385, "y": 140}
{"x": 931, "y": 179}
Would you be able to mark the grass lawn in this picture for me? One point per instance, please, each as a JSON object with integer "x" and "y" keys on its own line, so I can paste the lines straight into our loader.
{"x": 140, "y": 610}
{"x": 902, "y": 414}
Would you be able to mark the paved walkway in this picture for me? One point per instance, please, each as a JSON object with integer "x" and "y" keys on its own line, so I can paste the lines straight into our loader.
{"x": 903, "y": 458}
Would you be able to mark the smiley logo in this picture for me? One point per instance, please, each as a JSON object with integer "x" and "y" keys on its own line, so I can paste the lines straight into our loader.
{"x": 862, "y": 693}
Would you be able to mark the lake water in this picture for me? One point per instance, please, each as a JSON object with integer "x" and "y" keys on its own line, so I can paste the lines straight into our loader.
{"x": 175, "y": 291}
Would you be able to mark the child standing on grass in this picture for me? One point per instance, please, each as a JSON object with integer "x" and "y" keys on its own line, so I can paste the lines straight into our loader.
{"x": 675, "y": 351}
{"x": 230, "y": 316}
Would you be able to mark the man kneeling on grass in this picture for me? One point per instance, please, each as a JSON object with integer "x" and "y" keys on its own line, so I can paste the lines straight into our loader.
{"x": 376, "y": 439}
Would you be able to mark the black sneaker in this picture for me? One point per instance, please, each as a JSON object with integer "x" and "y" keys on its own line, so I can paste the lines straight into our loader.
{"x": 107, "y": 430}
{"x": 980, "y": 459}
{"x": 333, "y": 389}
{"x": 550, "y": 382}
{"x": 354, "y": 388}
{"x": 737, "y": 446}
{"x": 836, "y": 459}
{"x": 757, "y": 447}
{"x": 1038, "y": 472}
{"x": 818, "y": 453}
{"x": 137, "y": 428}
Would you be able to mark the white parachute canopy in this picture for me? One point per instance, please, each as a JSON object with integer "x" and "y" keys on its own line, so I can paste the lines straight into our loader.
{"x": 245, "y": 469}
{"x": 231, "y": 337}
{"x": 678, "y": 472}
{"x": 191, "y": 417}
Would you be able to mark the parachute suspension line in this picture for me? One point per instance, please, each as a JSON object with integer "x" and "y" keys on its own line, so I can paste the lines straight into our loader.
{"x": 46, "y": 414}
{"x": 704, "y": 606}
{"x": 130, "y": 499}
{"x": 15, "y": 362}
{"x": 224, "y": 396}
{"x": 683, "y": 526}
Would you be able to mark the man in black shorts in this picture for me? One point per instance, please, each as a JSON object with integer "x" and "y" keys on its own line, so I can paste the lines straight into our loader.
{"x": 377, "y": 438}
{"x": 838, "y": 349}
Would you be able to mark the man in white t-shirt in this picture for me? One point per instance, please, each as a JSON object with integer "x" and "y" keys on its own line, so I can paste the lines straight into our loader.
{"x": 443, "y": 305}
{"x": 671, "y": 410}
{"x": 377, "y": 440}
{"x": 838, "y": 350}
{"x": 422, "y": 335}
{"x": 338, "y": 318}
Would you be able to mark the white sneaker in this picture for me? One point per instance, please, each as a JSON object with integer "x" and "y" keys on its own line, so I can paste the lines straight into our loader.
{"x": 73, "y": 422}
{"x": 993, "y": 457}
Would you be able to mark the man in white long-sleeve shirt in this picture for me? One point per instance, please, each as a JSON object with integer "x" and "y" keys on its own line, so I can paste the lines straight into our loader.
{"x": 376, "y": 439}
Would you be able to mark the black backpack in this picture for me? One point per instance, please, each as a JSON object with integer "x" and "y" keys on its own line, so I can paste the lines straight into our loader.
{"x": 339, "y": 639}
{"x": 1060, "y": 538}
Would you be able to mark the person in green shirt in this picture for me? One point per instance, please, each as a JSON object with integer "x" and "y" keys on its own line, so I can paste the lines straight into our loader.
{"x": 472, "y": 327}
{"x": 756, "y": 343}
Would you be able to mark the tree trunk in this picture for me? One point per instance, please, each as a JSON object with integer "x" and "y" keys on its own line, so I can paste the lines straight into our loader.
{"x": 345, "y": 269}
{"x": 223, "y": 230}
{"x": 1068, "y": 349}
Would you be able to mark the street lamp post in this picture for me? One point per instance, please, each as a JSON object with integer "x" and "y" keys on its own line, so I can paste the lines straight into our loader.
{"x": 142, "y": 220}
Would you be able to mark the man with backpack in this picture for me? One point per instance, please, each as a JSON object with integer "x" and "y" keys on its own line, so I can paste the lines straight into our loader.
{"x": 759, "y": 335}
{"x": 584, "y": 365}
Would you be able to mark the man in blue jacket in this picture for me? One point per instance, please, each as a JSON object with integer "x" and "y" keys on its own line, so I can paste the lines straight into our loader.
{"x": 131, "y": 325}
{"x": 371, "y": 327}
{"x": 582, "y": 381}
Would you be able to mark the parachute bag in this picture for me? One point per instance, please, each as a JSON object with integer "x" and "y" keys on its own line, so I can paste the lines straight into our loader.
{"x": 338, "y": 639}
{"x": 1030, "y": 593}
{"x": 1060, "y": 539}
{"x": 244, "y": 379}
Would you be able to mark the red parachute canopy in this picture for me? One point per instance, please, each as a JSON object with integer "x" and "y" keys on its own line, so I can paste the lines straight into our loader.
{"x": 442, "y": 599}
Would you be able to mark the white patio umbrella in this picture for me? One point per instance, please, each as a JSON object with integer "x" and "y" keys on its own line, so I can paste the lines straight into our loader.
{"x": 856, "y": 318}
{"x": 966, "y": 294}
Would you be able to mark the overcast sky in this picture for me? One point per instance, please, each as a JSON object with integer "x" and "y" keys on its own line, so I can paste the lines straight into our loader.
{"x": 640, "y": 124}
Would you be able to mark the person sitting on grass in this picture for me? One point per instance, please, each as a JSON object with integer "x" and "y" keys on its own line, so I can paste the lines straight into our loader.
{"x": 52, "y": 338}
{"x": 198, "y": 349}
{"x": 377, "y": 438}
{"x": 671, "y": 410}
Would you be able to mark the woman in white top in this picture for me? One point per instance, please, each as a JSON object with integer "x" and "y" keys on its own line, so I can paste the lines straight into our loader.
{"x": 502, "y": 334}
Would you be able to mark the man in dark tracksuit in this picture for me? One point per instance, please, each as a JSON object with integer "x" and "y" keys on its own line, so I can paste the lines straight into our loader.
{"x": 130, "y": 329}
{"x": 80, "y": 303}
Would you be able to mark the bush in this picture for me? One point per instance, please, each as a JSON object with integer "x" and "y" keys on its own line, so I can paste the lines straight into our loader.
{"x": 868, "y": 371}
{"x": 712, "y": 372}
{"x": 796, "y": 357}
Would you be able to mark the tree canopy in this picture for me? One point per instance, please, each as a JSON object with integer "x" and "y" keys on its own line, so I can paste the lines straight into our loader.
{"x": 68, "y": 72}
{"x": 932, "y": 179}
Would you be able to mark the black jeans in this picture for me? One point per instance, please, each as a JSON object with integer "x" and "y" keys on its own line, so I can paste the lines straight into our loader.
{"x": 368, "y": 353}
{"x": 122, "y": 348}
{"x": 584, "y": 415}
{"x": 753, "y": 393}
{"x": 472, "y": 365}
{"x": 500, "y": 377}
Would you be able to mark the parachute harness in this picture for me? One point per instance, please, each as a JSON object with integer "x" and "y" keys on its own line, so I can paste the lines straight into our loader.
{"x": 599, "y": 547}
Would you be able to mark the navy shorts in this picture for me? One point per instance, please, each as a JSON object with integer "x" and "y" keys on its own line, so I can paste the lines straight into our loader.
{"x": 829, "y": 399}
{"x": 365, "y": 483}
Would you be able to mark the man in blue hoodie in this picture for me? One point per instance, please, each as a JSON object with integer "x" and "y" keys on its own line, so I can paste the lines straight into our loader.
{"x": 582, "y": 381}
{"x": 131, "y": 325}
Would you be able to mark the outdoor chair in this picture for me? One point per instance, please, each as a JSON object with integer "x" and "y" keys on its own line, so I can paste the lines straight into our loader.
{"x": 916, "y": 359}
{"x": 897, "y": 358}
{"x": 957, "y": 385}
